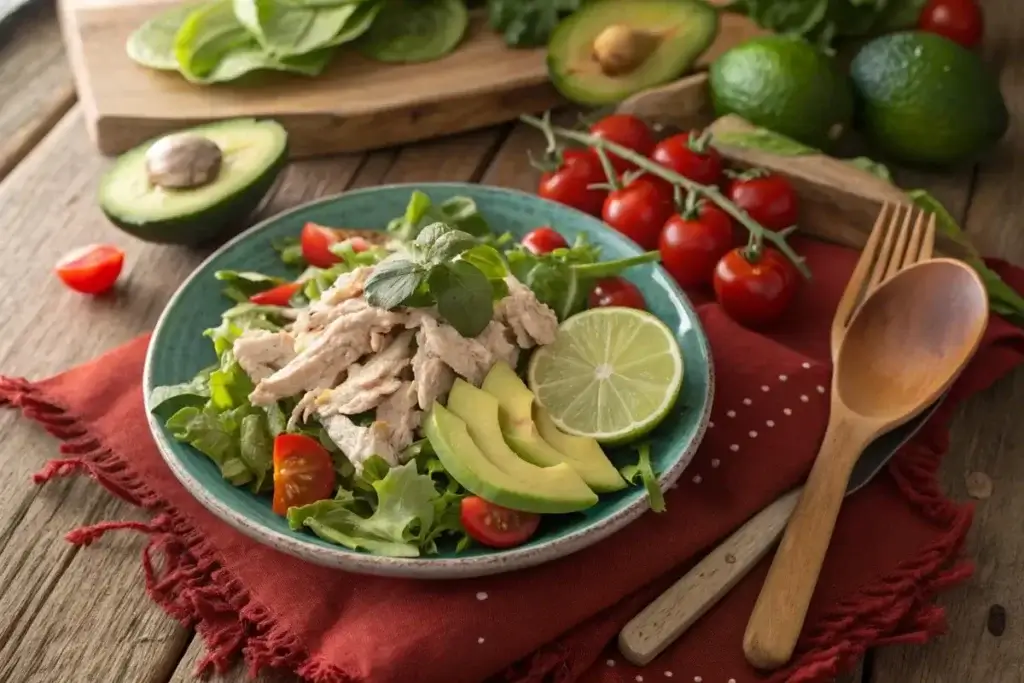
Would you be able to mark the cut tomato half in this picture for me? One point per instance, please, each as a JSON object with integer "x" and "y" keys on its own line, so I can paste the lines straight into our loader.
{"x": 303, "y": 472}
{"x": 276, "y": 296}
{"x": 496, "y": 526}
{"x": 92, "y": 269}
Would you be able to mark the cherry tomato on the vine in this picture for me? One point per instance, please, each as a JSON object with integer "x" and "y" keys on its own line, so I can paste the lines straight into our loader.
{"x": 544, "y": 240}
{"x": 496, "y": 526}
{"x": 616, "y": 291}
{"x": 755, "y": 291}
{"x": 638, "y": 211}
{"x": 683, "y": 154}
{"x": 91, "y": 269}
{"x": 628, "y": 131}
{"x": 769, "y": 199}
{"x": 959, "y": 20}
{"x": 691, "y": 247}
{"x": 303, "y": 472}
{"x": 276, "y": 296}
{"x": 570, "y": 183}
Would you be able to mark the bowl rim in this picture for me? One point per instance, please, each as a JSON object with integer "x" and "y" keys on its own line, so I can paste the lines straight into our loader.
{"x": 419, "y": 567}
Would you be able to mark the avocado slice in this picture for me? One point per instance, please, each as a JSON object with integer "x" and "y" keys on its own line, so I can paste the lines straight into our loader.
{"x": 541, "y": 490}
{"x": 187, "y": 187}
{"x": 545, "y": 446}
{"x": 609, "y": 49}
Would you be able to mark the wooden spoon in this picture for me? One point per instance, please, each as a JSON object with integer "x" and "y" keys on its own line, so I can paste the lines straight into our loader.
{"x": 905, "y": 346}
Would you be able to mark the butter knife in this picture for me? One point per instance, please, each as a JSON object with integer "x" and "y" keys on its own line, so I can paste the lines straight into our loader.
{"x": 689, "y": 598}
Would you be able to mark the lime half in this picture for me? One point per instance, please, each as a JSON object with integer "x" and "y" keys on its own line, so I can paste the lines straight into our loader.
{"x": 612, "y": 374}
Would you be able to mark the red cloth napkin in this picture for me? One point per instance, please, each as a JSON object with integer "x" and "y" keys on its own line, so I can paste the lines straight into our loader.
{"x": 895, "y": 545}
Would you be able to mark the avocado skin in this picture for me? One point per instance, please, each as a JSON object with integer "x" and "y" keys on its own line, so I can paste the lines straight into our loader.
{"x": 925, "y": 100}
{"x": 203, "y": 227}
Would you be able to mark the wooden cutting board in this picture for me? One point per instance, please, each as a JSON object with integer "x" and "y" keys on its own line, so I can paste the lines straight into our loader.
{"x": 355, "y": 105}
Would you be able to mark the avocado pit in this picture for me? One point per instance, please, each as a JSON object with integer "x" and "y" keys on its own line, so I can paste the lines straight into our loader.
{"x": 621, "y": 49}
{"x": 183, "y": 161}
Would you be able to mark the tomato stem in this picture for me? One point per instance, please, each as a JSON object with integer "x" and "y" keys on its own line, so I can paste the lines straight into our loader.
{"x": 613, "y": 179}
{"x": 601, "y": 145}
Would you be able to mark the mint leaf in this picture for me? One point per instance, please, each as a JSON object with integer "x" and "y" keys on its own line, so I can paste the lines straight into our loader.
{"x": 392, "y": 282}
{"x": 448, "y": 245}
{"x": 463, "y": 295}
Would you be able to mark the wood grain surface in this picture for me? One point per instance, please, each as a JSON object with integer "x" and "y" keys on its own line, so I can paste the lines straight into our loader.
{"x": 82, "y": 615}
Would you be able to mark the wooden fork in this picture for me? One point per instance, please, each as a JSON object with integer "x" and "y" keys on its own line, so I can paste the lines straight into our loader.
{"x": 901, "y": 237}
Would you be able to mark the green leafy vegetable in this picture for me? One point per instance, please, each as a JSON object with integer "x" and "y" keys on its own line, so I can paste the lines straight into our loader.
{"x": 215, "y": 434}
{"x": 464, "y": 296}
{"x": 288, "y": 30}
{"x": 643, "y": 473}
{"x": 393, "y": 281}
{"x": 256, "y": 448}
{"x": 400, "y": 526}
{"x": 459, "y": 212}
{"x": 528, "y": 23}
{"x": 290, "y": 250}
{"x": 167, "y": 400}
{"x": 409, "y": 31}
{"x": 243, "y": 284}
{"x": 764, "y": 140}
{"x": 152, "y": 44}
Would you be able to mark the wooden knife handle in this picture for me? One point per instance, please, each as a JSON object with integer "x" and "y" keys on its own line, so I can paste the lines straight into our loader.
{"x": 679, "y": 607}
{"x": 781, "y": 608}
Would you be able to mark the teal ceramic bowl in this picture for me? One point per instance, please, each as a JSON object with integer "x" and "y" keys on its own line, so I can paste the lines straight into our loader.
{"x": 178, "y": 350}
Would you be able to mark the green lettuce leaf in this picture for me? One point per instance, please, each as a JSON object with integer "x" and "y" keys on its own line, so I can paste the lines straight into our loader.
{"x": 215, "y": 434}
{"x": 643, "y": 473}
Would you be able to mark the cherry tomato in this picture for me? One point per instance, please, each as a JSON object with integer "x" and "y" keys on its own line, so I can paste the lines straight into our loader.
{"x": 276, "y": 296}
{"x": 316, "y": 245}
{"x": 616, "y": 291}
{"x": 92, "y": 269}
{"x": 679, "y": 154}
{"x": 691, "y": 247}
{"x": 496, "y": 526}
{"x": 638, "y": 211}
{"x": 754, "y": 293}
{"x": 544, "y": 240}
{"x": 625, "y": 130}
{"x": 959, "y": 20}
{"x": 768, "y": 199}
{"x": 570, "y": 183}
{"x": 303, "y": 472}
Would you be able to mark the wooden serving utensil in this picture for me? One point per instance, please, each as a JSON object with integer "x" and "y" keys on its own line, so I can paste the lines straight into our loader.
{"x": 904, "y": 347}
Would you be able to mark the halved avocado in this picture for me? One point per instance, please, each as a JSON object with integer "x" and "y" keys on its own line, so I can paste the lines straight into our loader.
{"x": 187, "y": 187}
{"x": 610, "y": 49}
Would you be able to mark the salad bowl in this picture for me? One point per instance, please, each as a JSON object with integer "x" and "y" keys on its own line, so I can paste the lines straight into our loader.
{"x": 178, "y": 350}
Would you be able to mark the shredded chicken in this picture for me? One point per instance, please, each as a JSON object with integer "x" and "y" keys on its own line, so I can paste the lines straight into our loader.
{"x": 359, "y": 443}
{"x": 433, "y": 379}
{"x": 340, "y": 298}
{"x": 467, "y": 357}
{"x": 532, "y": 321}
{"x": 331, "y": 352}
{"x": 261, "y": 353}
{"x": 495, "y": 338}
{"x": 367, "y": 385}
{"x": 400, "y": 414}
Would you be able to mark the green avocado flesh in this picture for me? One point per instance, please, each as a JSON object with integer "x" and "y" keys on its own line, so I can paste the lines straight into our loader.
{"x": 540, "y": 490}
{"x": 540, "y": 441}
{"x": 680, "y": 31}
{"x": 253, "y": 154}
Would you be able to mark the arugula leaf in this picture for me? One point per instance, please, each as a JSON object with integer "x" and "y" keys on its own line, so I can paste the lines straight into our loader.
{"x": 401, "y": 523}
{"x": 408, "y": 226}
{"x": 243, "y": 284}
{"x": 643, "y": 473}
{"x": 290, "y": 250}
{"x": 464, "y": 296}
{"x": 392, "y": 282}
{"x": 458, "y": 212}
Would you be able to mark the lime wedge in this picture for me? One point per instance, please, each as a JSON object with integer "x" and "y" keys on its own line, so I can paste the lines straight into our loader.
{"x": 612, "y": 374}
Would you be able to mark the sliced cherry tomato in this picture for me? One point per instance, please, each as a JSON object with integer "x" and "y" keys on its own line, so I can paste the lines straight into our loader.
{"x": 616, "y": 291}
{"x": 570, "y": 183}
{"x": 316, "y": 245}
{"x": 769, "y": 199}
{"x": 691, "y": 246}
{"x": 691, "y": 157}
{"x": 755, "y": 292}
{"x": 276, "y": 296}
{"x": 496, "y": 526}
{"x": 303, "y": 472}
{"x": 638, "y": 211}
{"x": 959, "y": 20}
{"x": 92, "y": 269}
{"x": 628, "y": 131}
{"x": 544, "y": 240}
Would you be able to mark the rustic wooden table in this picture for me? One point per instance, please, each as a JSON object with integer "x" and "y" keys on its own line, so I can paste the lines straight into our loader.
{"x": 70, "y": 615}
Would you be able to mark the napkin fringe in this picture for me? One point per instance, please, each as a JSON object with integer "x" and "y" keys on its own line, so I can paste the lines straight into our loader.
{"x": 188, "y": 582}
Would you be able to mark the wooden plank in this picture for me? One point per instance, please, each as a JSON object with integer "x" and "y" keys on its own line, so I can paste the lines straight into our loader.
{"x": 988, "y": 435}
{"x": 35, "y": 82}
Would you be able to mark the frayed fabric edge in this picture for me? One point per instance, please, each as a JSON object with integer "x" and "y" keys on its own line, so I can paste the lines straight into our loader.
{"x": 191, "y": 586}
